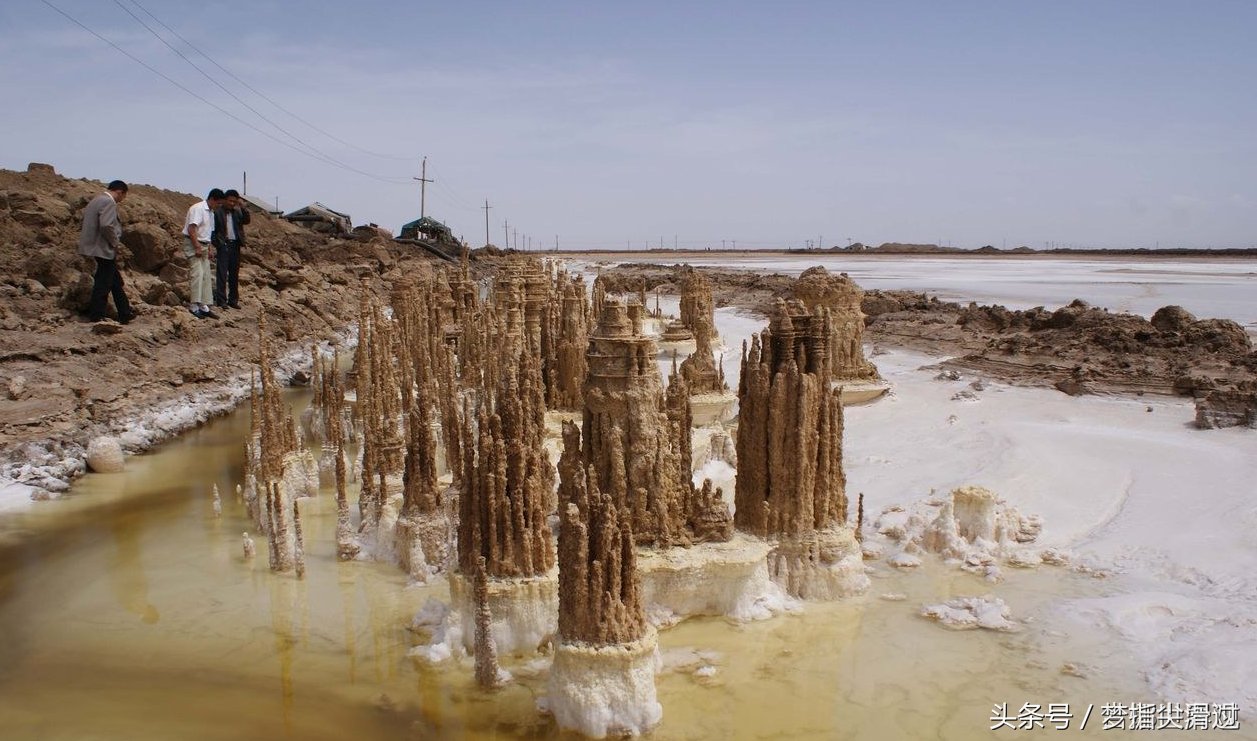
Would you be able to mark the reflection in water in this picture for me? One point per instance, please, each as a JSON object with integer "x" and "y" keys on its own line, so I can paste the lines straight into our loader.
{"x": 283, "y": 593}
{"x": 75, "y": 662}
{"x": 126, "y": 572}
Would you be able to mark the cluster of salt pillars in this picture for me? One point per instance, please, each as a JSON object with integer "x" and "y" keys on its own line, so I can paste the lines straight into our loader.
{"x": 446, "y": 443}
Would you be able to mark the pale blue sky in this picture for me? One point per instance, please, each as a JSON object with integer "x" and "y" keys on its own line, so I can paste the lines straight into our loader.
{"x": 1078, "y": 123}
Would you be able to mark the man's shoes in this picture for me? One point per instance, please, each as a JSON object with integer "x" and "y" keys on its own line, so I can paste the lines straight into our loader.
{"x": 207, "y": 314}
{"x": 126, "y": 318}
{"x": 233, "y": 304}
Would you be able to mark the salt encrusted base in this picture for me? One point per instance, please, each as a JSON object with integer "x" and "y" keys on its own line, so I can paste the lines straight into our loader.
{"x": 380, "y": 543}
{"x": 423, "y": 543}
{"x": 861, "y": 392}
{"x": 712, "y": 409}
{"x": 301, "y": 474}
{"x": 603, "y": 690}
{"x": 827, "y": 565}
{"x": 729, "y": 579}
{"x": 327, "y": 465}
{"x": 525, "y": 612}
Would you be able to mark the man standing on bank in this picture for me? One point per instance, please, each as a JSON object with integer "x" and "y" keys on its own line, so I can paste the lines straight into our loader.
{"x": 99, "y": 238}
{"x": 198, "y": 227}
{"x": 230, "y": 219}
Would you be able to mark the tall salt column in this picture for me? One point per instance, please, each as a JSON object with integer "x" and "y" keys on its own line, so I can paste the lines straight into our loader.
{"x": 506, "y": 481}
{"x": 602, "y": 680}
{"x": 791, "y": 486}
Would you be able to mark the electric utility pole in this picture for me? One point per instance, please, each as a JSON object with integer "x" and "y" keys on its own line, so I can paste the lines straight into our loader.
{"x": 506, "y": 234}
{"x": 486, "y": 222}
{"x": 423, "y": 186}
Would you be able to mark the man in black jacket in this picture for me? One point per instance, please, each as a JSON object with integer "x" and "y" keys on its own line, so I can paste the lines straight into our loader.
{"x": 229, "y": 221}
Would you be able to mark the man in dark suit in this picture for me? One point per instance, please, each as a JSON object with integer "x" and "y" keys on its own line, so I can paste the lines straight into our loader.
{"x": 99, "y": 239}
{"x": 229, "y": 220}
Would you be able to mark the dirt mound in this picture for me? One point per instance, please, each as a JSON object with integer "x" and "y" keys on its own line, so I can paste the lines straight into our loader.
{"x": 66, "y": 383}
{"x": 1077, "y": 348}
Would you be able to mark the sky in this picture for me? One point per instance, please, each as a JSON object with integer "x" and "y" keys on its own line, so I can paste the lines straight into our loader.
{"x": 696, "y": 124}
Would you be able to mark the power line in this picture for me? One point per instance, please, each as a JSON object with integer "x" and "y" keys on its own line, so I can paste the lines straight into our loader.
{"x": 262, "y": 95}
{"x": 329, "y": 159}
{"x": 457, "y": 200}
{"x": 201, "y": 98}
{"x": 323, "y": 155}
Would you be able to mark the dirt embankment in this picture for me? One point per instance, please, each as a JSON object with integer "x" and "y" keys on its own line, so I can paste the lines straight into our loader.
{"x": 63, "y": 381}
{"x": 1075, "y": 348}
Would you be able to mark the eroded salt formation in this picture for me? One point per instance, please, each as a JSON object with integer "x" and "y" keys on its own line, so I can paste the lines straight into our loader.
{"x": 970, "y": 527}
{"x": 707, "y": 515}
{"x": 624, "y": 433}
{"x": 970, "y": 613}
{"x": 818, "y": 288}
{"x": 506, "y": 490}
{"x": 489, "y": 674}
{"x": 406, "y": 408}
{"x": 602, "y": 680}
{"x": 278, "y": 468}
{"x": 565, "y": 339}
{"x": 791, "y": 484}
{"x": 710, "y": 399}
{"x": 379, "y": 411}
{"x": 423, "y": 524}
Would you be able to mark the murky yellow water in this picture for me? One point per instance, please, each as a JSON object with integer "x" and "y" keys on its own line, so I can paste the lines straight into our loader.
{"x": 128, "y": 612}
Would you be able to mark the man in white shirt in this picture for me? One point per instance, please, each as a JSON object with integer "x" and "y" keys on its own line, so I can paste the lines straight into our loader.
{"x": 198, "y": 227}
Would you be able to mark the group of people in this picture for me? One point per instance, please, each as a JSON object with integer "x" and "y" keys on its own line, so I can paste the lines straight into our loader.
{"x": 213, "y": 231}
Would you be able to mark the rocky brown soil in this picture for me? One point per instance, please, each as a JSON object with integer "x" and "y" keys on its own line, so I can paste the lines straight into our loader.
{"x": 1075, "y": 348}
{"x": 64, "y": 381}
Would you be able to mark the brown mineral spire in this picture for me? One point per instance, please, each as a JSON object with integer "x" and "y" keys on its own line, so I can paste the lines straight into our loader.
{"x": 299, "y": 548}
{"x": 707, "y": 516}
{"x": 567, "y": 339}
{"x": 790, "y": 475}
{"x": 383, "y": 441}
{"x": 420, "y": 494}
{"x": 506, "y": 474}
{"x": 625, "y": 429}
{"x": 599, "y": 588}
{"x": 697, "y": 306}
{"x": 817, "y": 288}
{"x": 346, "y": 547}
{"x": 701, "y": 372}
{"x": 489, "y": 674}
{"x": 859, "y": 519}
{"x": 599, "y": 295}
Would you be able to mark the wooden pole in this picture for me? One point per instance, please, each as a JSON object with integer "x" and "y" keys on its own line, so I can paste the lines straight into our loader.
{"x": 423, "y": 185}
{"x": 486, "y": 222}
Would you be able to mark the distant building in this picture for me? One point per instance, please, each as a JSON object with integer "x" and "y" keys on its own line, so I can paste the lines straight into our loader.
{"x": 429, "y": 229}
{"x": 433, "y": 236}
{"x": 322, "y": 219}
{"x": 259, "y": 206}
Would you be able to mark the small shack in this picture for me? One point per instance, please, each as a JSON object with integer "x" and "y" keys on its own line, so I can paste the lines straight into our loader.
{"x": 433, "y": 236}
{"x": 429, "y": 229}
{"x": 322, "y": 219}
{"x": 259, "y": 206}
